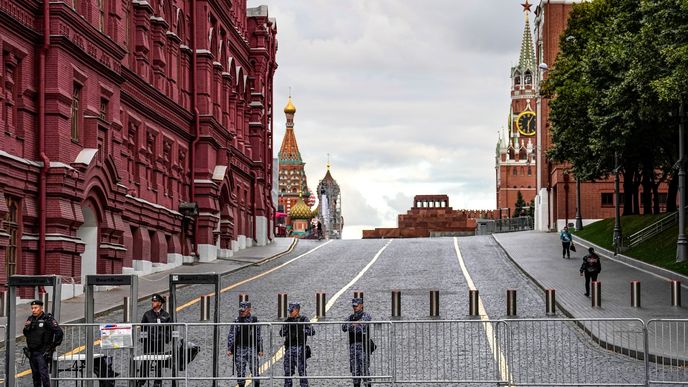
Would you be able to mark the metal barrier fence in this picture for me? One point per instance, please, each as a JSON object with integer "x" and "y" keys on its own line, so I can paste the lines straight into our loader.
{"x": 516, "y": 352}
{"x": 555, "y": 352}
{"x": 667, "y": 351}
{"x": 135, "y": 352}
{"x": 460, "y": 351}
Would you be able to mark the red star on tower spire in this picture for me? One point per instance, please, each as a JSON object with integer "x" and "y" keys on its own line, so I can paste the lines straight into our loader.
{"x": 526, "y": 6}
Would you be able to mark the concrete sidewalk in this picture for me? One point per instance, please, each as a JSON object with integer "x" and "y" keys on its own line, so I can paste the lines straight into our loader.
{"x": 538, "y": 254}
{"x": 106, "y": 301}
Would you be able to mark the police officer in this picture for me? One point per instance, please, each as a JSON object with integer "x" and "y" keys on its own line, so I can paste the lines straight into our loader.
{"x": 245, "y": 343}
{"x": 295, "y": 332}
{"x": 359, "y": 343}
{"x": 43, "y": 334}
{"x": 155, "y": 337}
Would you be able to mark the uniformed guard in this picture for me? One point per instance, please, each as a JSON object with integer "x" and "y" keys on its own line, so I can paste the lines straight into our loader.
{"x": 360, "y": 343}
{"x": 244, "y": 341}
{"x": 296, "y": 350}
{"x": 43, "y": 335}
{"x": 154, "y": 337}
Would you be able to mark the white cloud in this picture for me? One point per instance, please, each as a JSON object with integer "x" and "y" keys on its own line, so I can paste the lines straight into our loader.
{"x": 406, "y": 96}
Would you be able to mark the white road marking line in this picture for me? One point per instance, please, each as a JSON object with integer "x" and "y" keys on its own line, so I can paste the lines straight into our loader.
{"x": 280, "y": 353}
{"x": 489, "y": 332}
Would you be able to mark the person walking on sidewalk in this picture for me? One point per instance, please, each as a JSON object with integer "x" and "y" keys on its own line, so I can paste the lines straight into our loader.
{"x": 244, "y": 341}
{"x": 591, "y": 267}
{"x": 566, "y": 242}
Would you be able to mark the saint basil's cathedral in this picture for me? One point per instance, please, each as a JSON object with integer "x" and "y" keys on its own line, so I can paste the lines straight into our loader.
{"x": 295, "y": 199}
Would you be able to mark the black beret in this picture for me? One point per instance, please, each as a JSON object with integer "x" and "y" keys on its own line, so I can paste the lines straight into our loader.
{"x": 157, "y": 297}
{"x": 36, "y": 302}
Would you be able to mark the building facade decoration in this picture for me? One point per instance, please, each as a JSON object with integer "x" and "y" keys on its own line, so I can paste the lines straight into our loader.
{"x": 330, "y": 206}
{"x": 142, "y": 140}
{"x": 293, "y": 183}
{"x": 515, "y": 160}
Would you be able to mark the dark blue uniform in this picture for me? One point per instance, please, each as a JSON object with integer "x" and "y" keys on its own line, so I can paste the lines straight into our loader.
{"x": 43, "y": 334}
{"x": 245, "y": 342}
{"x": 359, "y": 345}
{"x": 295, "y": 340}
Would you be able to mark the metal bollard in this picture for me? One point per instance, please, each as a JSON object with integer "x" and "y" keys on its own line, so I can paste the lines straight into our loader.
{"x": 675, "y": 293}
{"x": 434, "y": 303}
{"x": 243, "y": 297}
{"x": 473, "y": 298}
{"x": 44, "y": 297}
{"x": 205, "y": 308}
{"x": 320, "y": 303}
{"x": 358, "y": 295}
{"x": 126, "y": 309}
{"x": 3, "y": 303}
{"x": 511, "y": 302}
{"x": 635, "y": 294}
{"x": 550, "y": 302}
{"x": 281, "y": 305}
{"x": 396, "y": 303}
{"x": 596, "y": 294}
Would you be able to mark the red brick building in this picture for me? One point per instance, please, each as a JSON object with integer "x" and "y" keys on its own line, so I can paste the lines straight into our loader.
{"x": 117, "y": 114}
{"x": 516, "y": 149}
{"x": 555, "y": 204}
{"x": 431, "y": 216}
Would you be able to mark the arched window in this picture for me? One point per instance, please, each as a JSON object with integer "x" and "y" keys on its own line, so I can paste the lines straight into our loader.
{"x": 517, "y": 79}
{"x": 528, "y": 78}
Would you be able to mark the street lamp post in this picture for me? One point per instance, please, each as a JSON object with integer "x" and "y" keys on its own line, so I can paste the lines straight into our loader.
{"x": 617, "y": 214}
{"x": 681, "y": 251}
{"x": 579, "y": 219}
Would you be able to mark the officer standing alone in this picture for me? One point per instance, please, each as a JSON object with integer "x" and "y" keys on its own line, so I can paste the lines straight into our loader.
{"x": 359, "y": 343}
{"x": 245, "y": 343}
{"x": 43, "y": 334}
{"x": 296, "y": 352}
{"x": 155, "y": 337}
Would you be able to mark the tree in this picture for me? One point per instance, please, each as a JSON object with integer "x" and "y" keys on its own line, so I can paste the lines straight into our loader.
{"x": 519, "y": 206}
{"x": 601, "y": 104}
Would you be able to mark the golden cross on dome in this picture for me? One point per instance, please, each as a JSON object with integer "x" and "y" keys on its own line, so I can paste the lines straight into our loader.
{"x": 526, "y": 6}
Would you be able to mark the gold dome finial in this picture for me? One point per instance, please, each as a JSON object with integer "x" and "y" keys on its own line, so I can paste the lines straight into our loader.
{"x": 328, "y": 161}
{"x": 290, "y": 108}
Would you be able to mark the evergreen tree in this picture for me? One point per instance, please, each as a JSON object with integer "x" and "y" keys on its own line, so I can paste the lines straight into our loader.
{"x": 519, "y": 206}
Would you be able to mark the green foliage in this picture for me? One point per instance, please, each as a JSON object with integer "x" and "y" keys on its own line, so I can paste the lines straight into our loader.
{"x": 520, "y": 205}
{"x": 622, "y": 67}
{"x": 659, "y": 250}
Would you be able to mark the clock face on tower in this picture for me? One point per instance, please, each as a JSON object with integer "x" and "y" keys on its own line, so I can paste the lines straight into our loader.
{"x": 526, "y": 123}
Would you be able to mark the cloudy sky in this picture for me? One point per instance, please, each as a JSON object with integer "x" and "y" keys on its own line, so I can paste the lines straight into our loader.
{"x": 406, "y": 96}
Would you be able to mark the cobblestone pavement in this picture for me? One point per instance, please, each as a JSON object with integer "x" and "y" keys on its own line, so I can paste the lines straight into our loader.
{"x": 417, "y": 347}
